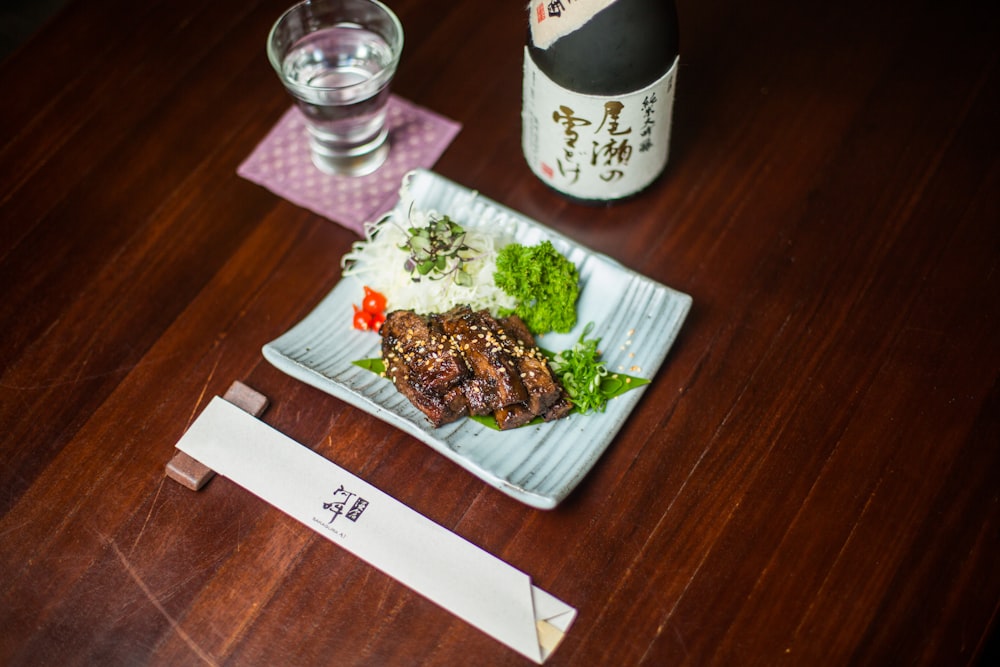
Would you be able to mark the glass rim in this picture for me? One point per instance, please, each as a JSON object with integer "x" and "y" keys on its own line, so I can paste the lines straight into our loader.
{"x": 396, "y": 45}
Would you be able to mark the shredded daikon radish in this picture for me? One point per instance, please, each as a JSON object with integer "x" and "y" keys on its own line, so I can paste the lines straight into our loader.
{"x": 378, "y": 261}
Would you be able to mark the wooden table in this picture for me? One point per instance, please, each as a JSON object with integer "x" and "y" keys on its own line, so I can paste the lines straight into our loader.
{"x": 813, "y": 477}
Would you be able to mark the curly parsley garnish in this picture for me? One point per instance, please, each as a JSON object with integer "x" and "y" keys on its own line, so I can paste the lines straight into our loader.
{"x": 545, "y": 284}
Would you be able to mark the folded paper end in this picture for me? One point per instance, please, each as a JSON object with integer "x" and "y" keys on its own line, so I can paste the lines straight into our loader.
{"x": 552, "y": 620}
{"x": 549, "y": 637}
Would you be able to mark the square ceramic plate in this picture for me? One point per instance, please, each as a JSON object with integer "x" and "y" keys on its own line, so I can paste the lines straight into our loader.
{"x": 636, "y": 318}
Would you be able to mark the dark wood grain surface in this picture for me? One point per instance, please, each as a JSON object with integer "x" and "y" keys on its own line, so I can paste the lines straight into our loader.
{"x": 813, "y": 477}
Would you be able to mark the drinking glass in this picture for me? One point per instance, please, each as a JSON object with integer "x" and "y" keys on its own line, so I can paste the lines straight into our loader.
{"x": 337, "y": 58}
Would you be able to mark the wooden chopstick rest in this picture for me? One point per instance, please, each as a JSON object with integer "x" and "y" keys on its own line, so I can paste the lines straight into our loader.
{"x": 192, "y": 473}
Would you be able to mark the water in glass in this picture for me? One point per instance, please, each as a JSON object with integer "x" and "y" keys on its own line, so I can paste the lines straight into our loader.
{"x": 333, "y": 74}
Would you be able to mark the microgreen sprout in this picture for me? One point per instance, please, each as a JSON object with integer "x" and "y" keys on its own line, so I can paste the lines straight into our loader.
{"x": 437, "y": 250}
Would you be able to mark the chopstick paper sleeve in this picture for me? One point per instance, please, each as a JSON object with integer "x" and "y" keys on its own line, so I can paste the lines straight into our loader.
{"x": 430, "y": 559}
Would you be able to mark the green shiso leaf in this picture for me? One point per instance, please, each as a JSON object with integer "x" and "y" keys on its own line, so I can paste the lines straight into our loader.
{"x": 374, "y": 365}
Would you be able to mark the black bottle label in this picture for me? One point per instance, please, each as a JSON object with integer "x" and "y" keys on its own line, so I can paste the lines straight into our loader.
{"x": 596, "y": 147}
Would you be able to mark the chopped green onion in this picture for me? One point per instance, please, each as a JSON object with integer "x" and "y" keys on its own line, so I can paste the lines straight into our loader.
{"x": 583, "y": 373}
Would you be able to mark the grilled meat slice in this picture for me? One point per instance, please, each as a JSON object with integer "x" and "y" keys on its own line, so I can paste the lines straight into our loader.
{"x": 440, "y": 409}
{"x": 496, "y": 382}
{"x": 427, "y": 351}
{"x": 543, "y": 389}
{"x": 559, "y": 409}
{"x": 424, "y": 365}
{"x": 513, "y": 416}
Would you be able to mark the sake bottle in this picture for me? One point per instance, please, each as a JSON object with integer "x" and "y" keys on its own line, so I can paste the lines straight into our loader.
{"x": 599, "y": 79}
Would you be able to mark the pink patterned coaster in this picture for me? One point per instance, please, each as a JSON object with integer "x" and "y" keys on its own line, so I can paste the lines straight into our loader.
{"x": 281, "y": 163}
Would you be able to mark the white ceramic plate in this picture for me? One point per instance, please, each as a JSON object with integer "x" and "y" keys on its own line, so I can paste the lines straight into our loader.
{"x": 636, "y": 318}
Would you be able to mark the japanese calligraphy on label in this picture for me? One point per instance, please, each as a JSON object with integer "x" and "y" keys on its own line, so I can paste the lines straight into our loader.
{"x": 595, "y": 146}
{"x": 552, "y": 19}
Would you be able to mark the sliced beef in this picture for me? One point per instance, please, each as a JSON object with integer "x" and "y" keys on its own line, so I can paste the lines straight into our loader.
{"x": 542, "y": 387}
{"x": 467, "y": 362}
{"x": 425, "y": 366}
{"x": 513, "y": 416}
{"x": 496, "y": 379}
{"x": 430, "y": 354}
{"x": 559, "y": 409}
